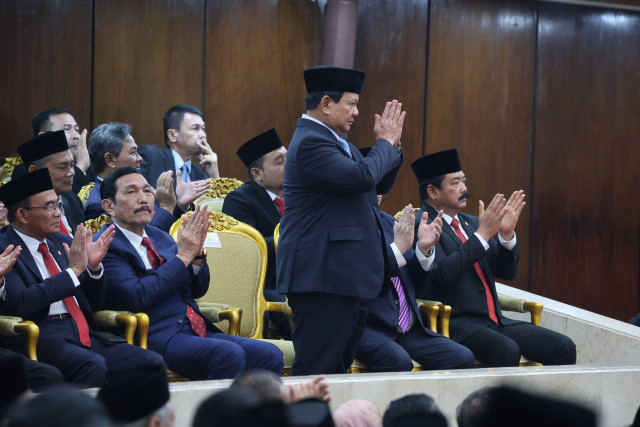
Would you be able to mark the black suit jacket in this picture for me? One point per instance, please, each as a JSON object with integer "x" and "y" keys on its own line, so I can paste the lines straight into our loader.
{"x": 382, "y": 321}
{"x": 455, "y": 281}
{"x": 29, "y": 296}
{"x": 73, "y": 209}
{"x": 331, "y": 238}
{"x": 156, "y": 159}
{"x": 251, "y": 204}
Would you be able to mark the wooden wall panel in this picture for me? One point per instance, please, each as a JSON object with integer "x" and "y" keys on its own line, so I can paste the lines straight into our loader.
{"x": 586, "y": 219}
{"x": 148, "y": 56}
{"x": 391, "y": 46}
{"x": 46, "y": 48}
{"x": 479, "y": 98}
{"x": 255, "y": 54}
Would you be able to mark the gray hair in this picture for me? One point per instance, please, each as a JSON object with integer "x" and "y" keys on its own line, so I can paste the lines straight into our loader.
{"x": 106, "y": 138}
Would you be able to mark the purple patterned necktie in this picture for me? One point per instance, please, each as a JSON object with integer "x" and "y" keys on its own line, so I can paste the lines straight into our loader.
{"x": 404, "y": 319}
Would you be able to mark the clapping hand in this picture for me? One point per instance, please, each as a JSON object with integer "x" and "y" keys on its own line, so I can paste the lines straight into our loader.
{"x": 8, "y": 258}
{"x": 98, "y": 249}
{"x": 491, "y": 218}
{"x": 388, "y": 125}
{"x": 403, "y": 229}
{"x": 187, "y": 192}
{"x": 82, "y": 155}
{"x": 165, "y": 196}
{"x": 192, "y": 234}
{"x": 429, "y": 234}
{"x": 513, "y": 209}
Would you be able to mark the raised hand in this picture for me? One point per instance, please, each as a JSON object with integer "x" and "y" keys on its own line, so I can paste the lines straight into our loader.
{"x": 82, "y": 156}
{"x": 187, "y": 192}
{"x": 313, "y": 389}
{"x": 491, "y": 218}
{"x": 403, "y": 229}
{"x": 77, "y": 253}
{"x": 388, "y": 125}
{"x": 514, "y": 207}
{"x": 8, "y": 258}
{"x": 208, "y": 159}
{"x": 98, "y": 249}
{"x": 192, "y": 234}
{"x": 429, "y": 234}
{"x": 164, "y": 191}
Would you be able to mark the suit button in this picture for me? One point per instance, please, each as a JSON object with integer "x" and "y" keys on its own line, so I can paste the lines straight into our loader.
{"x": 180, "y": 321}
{"x": 395, "y": 302}
{"x": 378, "y": 232}
{"x": 395, "y": 323}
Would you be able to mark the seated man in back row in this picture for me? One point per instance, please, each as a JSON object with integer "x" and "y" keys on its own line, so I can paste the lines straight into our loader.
{"x": 145, "y": 270}
{"x": 467, "y": 260}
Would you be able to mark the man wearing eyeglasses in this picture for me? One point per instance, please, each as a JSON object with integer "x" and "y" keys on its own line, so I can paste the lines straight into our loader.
{"x": 51, "y": 151}
{"x": 58, "y": 283}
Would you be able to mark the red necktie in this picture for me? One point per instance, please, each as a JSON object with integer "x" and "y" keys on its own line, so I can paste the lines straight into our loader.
{"x": 69, "y": 302}
{"x": 155, "y": 259}
{"x": 490, "y": 302}
{"x": 280, "y": 202}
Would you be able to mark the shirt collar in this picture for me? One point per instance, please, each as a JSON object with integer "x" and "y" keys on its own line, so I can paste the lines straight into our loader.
{"x": 178, "y": 160}
{"x": 131, "y": 236}
{"x": 271, "y": 194}
{"x": 308, "y": 117}
{"x": 450, "y": 218}
{"x": 31, "y": 243}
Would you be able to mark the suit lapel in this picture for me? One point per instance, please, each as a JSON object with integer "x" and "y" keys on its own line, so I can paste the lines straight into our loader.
{"x": 265, "y": 200}
{"x": 123, "y": 239}
{"x": 169, "y": 164}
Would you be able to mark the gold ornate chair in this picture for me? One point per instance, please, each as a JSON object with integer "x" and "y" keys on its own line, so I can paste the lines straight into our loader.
{"x": 84, "y": 192}
{"x": 96, "y": 224}
{"x": 10, "y": 326}
{"x": 7, "y": 168}
{"x": 238, "y": 271}
{"x": 218, "y": 190}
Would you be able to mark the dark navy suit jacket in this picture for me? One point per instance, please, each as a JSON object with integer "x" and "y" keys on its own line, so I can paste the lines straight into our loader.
{"x": 162, "y": 293}
{"x": 251, "y": 204}
{"x": 455, "y": 281}
{"x": 156, "y": 159}
{"x": 29, "y": 296}
{"x": 330, "y": 236}
{"x": 382, "y": 321}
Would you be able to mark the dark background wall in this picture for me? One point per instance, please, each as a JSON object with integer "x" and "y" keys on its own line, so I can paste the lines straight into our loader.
{"x": 535, "y": 95}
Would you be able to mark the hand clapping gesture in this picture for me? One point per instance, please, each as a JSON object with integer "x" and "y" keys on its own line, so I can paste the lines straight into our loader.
{"x": 429, "y": 234}
{"x": 513, "y": 209}
{"x": 7, "y": 259}
{"x": 187, "y": 192}
{"x": 491, "y": 218}
{"x": 388, "y": 125}
{"x": 164, "y": 191}
{"x": 403, "y": 229}
{"x": 192, "y": 234}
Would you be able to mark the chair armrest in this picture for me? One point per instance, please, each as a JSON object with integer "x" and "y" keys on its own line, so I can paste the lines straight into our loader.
{"x": 216, "y": 312}
{"x": 445, "y": 315}
{"x": 111, "y": 318}
{"x": 519, "y": 305}
{"x": 143, "y": 329}
{"x": 10, "y": 326}
{"x": 430, "y": 309}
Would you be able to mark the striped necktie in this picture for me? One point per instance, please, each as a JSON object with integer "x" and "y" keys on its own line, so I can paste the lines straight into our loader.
{"x": 404, "y": 318}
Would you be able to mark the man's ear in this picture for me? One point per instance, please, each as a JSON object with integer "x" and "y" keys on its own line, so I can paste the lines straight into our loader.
{"x": 109, "y": 160}
{"x": 325, "y": 104}
{"x": 33, "y": 168}
{"x": 256, "y": 173}
{"x": 107, "y": 205}
{"x": 171, "y": 135}
{"x": 432, "y": 191}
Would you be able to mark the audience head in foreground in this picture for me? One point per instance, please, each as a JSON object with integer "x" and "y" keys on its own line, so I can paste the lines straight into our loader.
{"x": 414, "y": 410}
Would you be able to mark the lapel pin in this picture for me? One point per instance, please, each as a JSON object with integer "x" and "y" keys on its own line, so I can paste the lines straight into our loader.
{"x": 59, "y": 253}
{"x": 466, "y": 223}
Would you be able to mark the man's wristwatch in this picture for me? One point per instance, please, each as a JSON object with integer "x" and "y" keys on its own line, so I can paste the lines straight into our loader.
{"x": 399, "y": 146}
{"x": 203, "y": 255}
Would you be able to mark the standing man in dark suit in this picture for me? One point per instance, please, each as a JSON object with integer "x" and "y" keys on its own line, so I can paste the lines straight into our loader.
{"x": 259, "y": 203}
{"x": 51, "y": 151}
{"x": 332, "y": 253}
{"x": 58, "y": 283}
{"x": 146, "y": 270}
{"x": 55, "y": 119}
{"x": 184, "y": 136}
{"x": 467, "y": 260}
{"x": 395, "y": 331}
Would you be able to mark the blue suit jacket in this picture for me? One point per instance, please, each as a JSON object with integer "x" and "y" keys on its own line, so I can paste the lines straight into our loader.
{"x": 382, "y": 321}
{"x": 162, "y": 219}
{"x": 455, "y": 281}
{"x": 163, "y": 293}
{"x": 330, "y": 236}
{"x": 156, "y": 159}
{"x": 29, "y": 296}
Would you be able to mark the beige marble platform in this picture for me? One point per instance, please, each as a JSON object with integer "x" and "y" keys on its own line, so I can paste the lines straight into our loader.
{"x": 607, "y": 377}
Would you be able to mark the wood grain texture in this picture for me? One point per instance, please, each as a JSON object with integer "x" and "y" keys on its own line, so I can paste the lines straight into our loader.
{"x": 391, "y": 46}
{"x": 586, "y": 219}
{"x": 148, "y": 57}
{"x": 479, "y": 99}
{"x": 255, "y": 54}
{"x": 46, "y": 45}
